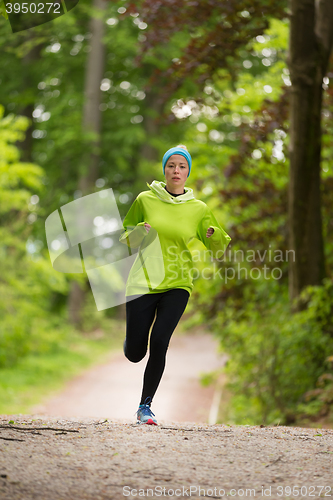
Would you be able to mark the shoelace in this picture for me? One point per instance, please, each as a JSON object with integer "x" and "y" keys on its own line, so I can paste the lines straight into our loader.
{"x": 145, "y": 408}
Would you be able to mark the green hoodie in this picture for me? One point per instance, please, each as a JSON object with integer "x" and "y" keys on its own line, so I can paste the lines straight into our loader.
{"x": 164, "y": 260}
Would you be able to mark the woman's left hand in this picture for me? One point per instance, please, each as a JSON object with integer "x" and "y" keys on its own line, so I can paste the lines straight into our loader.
{"x": 147, "y": 227}
{"x": 210, "y": 231}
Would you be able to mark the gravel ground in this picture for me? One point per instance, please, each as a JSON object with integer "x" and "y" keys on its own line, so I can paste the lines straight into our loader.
{"x": 78, "y": 459}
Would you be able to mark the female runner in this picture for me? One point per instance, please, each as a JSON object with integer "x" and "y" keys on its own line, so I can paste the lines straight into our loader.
{"x": 161, "y": 222}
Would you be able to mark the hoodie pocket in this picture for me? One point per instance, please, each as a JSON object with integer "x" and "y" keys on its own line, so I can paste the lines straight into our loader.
{"x": 148, "y": 272}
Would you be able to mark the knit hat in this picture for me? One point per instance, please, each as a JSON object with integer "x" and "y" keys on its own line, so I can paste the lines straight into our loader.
{"x": 177, "y": 151}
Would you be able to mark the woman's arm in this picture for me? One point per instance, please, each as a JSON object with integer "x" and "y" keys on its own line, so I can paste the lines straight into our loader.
{"x": 211, "y": 234}
{"x": 134, "y": 226}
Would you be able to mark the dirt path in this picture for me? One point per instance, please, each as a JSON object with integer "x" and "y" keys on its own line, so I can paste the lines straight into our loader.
{"x": 92, "y": 460}
{"x": 113, "y": 390}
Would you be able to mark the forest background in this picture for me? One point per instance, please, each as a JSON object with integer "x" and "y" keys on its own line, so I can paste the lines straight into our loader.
{"x": 92, "y": 100}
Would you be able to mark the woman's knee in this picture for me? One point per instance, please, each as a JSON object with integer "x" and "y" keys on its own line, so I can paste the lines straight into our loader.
{"x": 133, "y": 355}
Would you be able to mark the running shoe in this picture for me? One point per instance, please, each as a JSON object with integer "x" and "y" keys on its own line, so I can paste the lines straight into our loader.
{"x": 144, "y": 414}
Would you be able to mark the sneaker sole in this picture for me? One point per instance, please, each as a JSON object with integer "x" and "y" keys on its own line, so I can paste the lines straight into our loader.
{"x": 149, "y": 422}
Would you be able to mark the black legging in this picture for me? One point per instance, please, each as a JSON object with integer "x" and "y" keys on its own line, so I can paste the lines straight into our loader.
{"x": 140, "y": 313}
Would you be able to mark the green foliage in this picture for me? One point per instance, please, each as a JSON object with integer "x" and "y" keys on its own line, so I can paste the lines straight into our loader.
{"x": 25, "y": 284}
{"x": 275, "y": 356}
{"x": 62, "y": 353}
{"x": 3, "y": 9}
{"x": 318, "y": 402}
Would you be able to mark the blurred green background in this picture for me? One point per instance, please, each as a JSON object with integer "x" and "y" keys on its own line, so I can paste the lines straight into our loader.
{"x": 92, "y": 100}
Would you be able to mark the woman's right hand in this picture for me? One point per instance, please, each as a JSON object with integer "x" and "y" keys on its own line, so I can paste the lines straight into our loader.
{"x": 147, "y": 226}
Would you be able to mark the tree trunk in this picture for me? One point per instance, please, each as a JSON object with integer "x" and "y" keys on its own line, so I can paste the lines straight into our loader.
{"x": 76, "y": 303}
{"x": 29, "y": 61}
{"x": 92, "y": 116}
{"x": 311, "y": 33}
{"x": 154, "y": 107}
{"x": 91, "y": 123}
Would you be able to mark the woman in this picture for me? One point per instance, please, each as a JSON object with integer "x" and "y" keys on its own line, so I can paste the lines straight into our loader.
{"x": 161, "y": 222}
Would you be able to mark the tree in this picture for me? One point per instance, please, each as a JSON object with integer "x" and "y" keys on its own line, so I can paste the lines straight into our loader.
{"x": 311, "y": 41}
{"x": 92, "y": 117}
{"x": 29, "y": 61}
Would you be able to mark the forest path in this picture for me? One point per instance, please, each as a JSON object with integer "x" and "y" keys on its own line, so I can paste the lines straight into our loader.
{"x": 112, "y": 390}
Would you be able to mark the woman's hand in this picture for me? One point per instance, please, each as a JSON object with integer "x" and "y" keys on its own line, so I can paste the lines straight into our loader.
{"x": 210, "y": 231}
{"x": 147, "y": 227}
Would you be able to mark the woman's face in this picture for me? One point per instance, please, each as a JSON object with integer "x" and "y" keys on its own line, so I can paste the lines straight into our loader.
{"x": 176, "y": 171}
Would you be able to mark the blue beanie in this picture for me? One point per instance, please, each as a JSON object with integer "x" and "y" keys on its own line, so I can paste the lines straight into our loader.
{"x": 177, "y": 151}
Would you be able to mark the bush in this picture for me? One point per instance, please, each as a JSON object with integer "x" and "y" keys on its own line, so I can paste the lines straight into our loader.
{"x": 276, "y": 357}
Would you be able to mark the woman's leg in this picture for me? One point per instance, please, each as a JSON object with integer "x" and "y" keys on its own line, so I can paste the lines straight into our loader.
{"x": 170, "y": 307}
{"x": 140, "y": 314}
